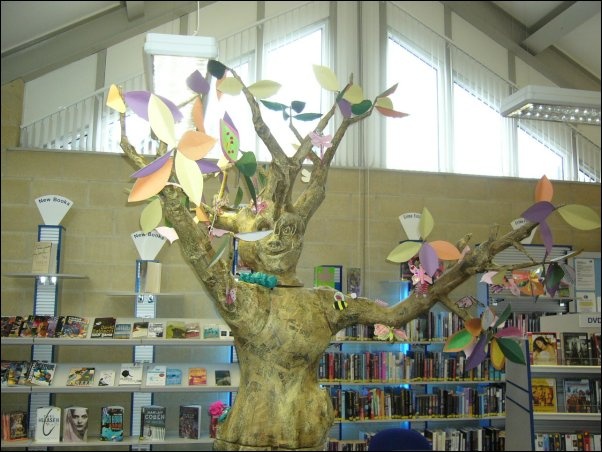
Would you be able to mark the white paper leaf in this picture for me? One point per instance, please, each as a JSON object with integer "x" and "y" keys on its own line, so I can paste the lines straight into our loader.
{"x": 252, "y": 236}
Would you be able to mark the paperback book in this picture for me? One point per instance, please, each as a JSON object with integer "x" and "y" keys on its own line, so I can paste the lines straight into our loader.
{"x": 41, "y": 373}
{"x": 190, "y": 421}
{"x": 596, "y": 349}
{"x": 11, "y": 325}
{"x": 211, "y": 331}
{"x": 55, "y": 325}
{"x": 111, "y": 423}
{"x": 577, "y": 395}
{"x": 222, "y": 378}
{"x": 75, "y": 425}
{"x": 175, "y": 329}
{"x": 173, "y": 376}
{"x": 192, "y": 330}
{"x": 44, "y": 257}
{"x": 48, "y": 424}
{"x": 197, "y": 376}
{"x": 576, "y": 349}
{"x": 156, "y": 375}
{"x": 152, "y": 423}
{"x": 14, "y": 425}
{"x": 103, "y": 327}
{"x": 75, "y": 327}
{"x": 140, "y": 329}
{"x": 106, "y": 378}
{"x": 122, "y": 330}
{"x": 544, "y": 395}
{"x": 17, "y": 373}
{"x": 543, "y": 348}
{"x": 81, "y": 376}
{"x": 155, "y": 329}
{"x": 130, "y": 374}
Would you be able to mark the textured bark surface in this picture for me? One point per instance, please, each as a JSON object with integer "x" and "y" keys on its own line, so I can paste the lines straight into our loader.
{"x": 281, "y": 333}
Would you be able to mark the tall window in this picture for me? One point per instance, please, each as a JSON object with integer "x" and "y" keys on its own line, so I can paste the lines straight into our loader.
{"x": 536, "y": 158}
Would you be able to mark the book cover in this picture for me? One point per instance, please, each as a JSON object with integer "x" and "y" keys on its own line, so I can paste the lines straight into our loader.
{"x": 103, "y": 327}
{"x": 44, "y": 258}
{"x": 28, "y": 327}
{"x": 156, "y": 375}
{"x": 75, "y": 424}
{"x": 55, "y": 325}
{"x": 130, "y": 374}
{"x": 16, "y": 326}
{"x": 222, "y": 378}
{"x": 544, "y": 395}
{"x": 225, "y": 332}
{"x": 576, "y": 349}
{"x": 596, "y": 350}
{"x": 75, "y": 327}
{"x": 123, "y": 330}
{"x": 111, "y": 423}
{"x": 106, "y": 378}
{"x": 155, "y": 329}
{"x": 329, "y": 276}
{"x": 41, "y": 373}
{"x": 4, "y": 368}
{"x": 192, "y": 330}
{"x": 48, "y": 424}
{"x": 81, "y": 376}
{"x": 189, "y": 425}
{"x": 543, "y": 348}
{"x": 175, "y": 329}
{"x": 14, "y": 425}
{"x": 152, "y": 423}
{"x": 211, "y": 331}
{"x": 8, "y": 323}
{"x": 17, "y": 373}
{"x": 577, "y": 395}
{"x": 140, "y": 329}
{"x": 197, "y": 376}
{"x": 173, "y": 376}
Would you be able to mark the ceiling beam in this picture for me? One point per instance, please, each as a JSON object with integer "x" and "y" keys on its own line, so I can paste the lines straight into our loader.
{"x": 134, "y": 9}
{"x": 561, "y": 25}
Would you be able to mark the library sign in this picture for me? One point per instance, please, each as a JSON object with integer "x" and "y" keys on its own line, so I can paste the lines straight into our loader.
{"x": 590, "y": 320}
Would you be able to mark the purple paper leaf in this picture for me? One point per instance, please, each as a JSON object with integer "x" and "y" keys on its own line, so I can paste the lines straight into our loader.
{"x": 138, "y": 102}
{"x": 197, "y": 83}
{"x": 207, "y": 166}
{"x": 428, "y": 259}
{"x": 153, "y": 166}
{"x": 228, "y": 120}
{"x": 345, "y": 108}
{"x": 553, "y": 277}
{"x": 538, "y": 212}
{"x": 546, "y": 236}
{"x": 478, "y": 354}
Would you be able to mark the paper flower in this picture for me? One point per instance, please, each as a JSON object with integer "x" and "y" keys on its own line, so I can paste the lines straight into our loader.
{"x": 388, "y": 333}
{"x": 217, "y": 408}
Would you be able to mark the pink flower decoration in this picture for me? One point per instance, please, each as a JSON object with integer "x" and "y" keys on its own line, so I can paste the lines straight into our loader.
{"x": 260, "y": 206}
{"x": 217, "y": 408}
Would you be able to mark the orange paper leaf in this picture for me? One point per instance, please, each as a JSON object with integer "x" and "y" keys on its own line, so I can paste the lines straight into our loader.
{"x": 195, "y": 145}
{"x": 544, "y": 190}
{"x": 198, "y": 117}
{"x": 445, "y": 250}
{"x": 150, "y": 185}
{"x": 473, "y": 326}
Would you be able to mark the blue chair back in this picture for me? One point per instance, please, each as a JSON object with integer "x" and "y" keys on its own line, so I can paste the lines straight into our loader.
{"x": 398, "y": 439}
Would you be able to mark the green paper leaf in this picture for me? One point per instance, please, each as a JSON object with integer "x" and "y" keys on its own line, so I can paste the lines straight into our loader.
{"x": 276, "y": 106}
{"x": 225, "y": 244}
{"x": 427, "y": 223}
{"x": 502, "y": 318}
{"x": 404, "y": 252}
{"x": 297, "y": 106}
{"x": 459, "y": 341}
{"x": 151, "y": 216}
{"x": 264, "y": 88}
{"x": 216, "y": 69}
{"x": 229, "y": 141}
{"x": 511, "y": 350}
{"x": 307, "y": 116}
{"x": 580, "y": 217}
{"x": 238, "y": 198}
{"x": 247, "y": 164}
{"x": 251, "y": 188}
{"x": 361, "y": 108}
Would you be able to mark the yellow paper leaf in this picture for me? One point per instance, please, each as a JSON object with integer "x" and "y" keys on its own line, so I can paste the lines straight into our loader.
{"x": 580, "y": 217}
{"x": 195, "y": 145}
{"x": 150, "y": 185}
{"x": 544, "y": 190}
{"x": 384, "y": 102}
{"x": 326, "y": 78}
{"x": 190, "y": 178}
{"x": 264, "y": 89}
{"x": 498, "y": 360}
{"x": 201, "y": 215}
{"x": 354, "y": 94}
{"x": 151, "y": 216}
{"x": 445, "y": 250}
{"x": 229, "y": 85}
{"x": 426, "y": 223}
{"x": 198, "y": 117}
{"x": 404, "y": 252}
{"x": 114, "y": 99}
{"x": 161, "y": 121}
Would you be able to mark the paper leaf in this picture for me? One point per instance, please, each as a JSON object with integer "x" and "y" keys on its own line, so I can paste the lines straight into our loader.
{"x": 169, "y": 233}
{"x": 216, "y": 69}
{"x": 138, "y": 103}
{"x": 391, "y": 113}
{"x": 161, "y": 121}
{"x": 274, "y": 106}
{"x": 197, "y": 83}
{"x": 297, "y": 106}
{"x": 224, "y": 245}
{"x": 251, "y": 188}
{"x": 546, "y": 236}
{"x": 307, "y": 116}
{"x": 544, "y": 190}
{"x": 459, "y": 341}
{"x": 198, "y": 116}
{"x": 354, "y": 94}
{"x": 148, "y": 244}
{"x": 511, "y": 350}
{"x": 264, "y": 88}
{"x": 510, "y": 331}
{"x": 487, "y": 318}
{"x": 426, "y": 223}
{"x": 201, "y": 215}
{"x": 538, "y": 212}
{"x": 428, "y": 259}
{"x": 345, "y": 108}
{"x": 238, "y": 197}
{"x": 190, "y": 178}
{"x": 554, "y": 275}
{"x": 384, "y": 102}
{"x": 196, "y": 145}
{"x": 478, "y": 354}
{"x": 473, "y": 326}
{"x": 388, "y": 91}
{"x": 498, "y": 360}
{"x": 326, "y": 78}
{"x": 147, "y": 186}
{"x": 404, "y": 252}
{"x": 253, "y": 236}
{"x": 361, "y": 108}
{"x": 580, "y": 217}
{"x": 229, "y": 139}
{"x": 230, "y": 85}
{"x": 445, "y": 250}
{"x": 208, "y": 167}
{"x": 247, "y": 164}
{"x": 151, "y": 216}
{"x": 504, "y": 316}
{"x": 114, "y": 100}
{"x": 53, "y": 208}
{"x": 153, "y": 166}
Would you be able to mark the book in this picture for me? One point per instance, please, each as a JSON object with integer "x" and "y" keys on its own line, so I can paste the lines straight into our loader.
{"x": 222, "y": 378}
{"x": 173, "y": 376}
{"x": 28, "y": 327}
{"x": 577, "y": 395}
{"x": 211, "y": 331}
{"x": 140, "y": 329}
{"x": 189, "y": 425}
{"x": 192, "y": 330}
{"x": 543, "y": 348}
{"x": 55, "y": 325}
{"x": 16, "y": 325}
{"x": 130, "y": 374}
{"x": 197, "y": 376}
{"x": 155, "y": 329}
{"x": 103, "y": 327}
{"x": 123, "y": 330}
{"x": 75, "y": 424}
{"x": 576, "y": 348}
{"x": 106, "y": 378}
{"x": 48, "y": 424}
{"x": 75, "y": 327}
{"x": 14, "y": 425}
{"x": 44, "y": 259}
{"x": 543, "y": 391}
{"x": 156, "y": 375}
{"x": 175, "y": 329}
{"x": 9, "y": 323}
{"x": 111, "y": 423}
{"x": 41, "y": 373}
{"x": 4, "y": 368}
{"x": 596, "y": 350}
{"x": 17, "y": 373}
{"x": 329, "y": 276}
{"x": 81, "y": 376}
{"x": 152, "y": 423}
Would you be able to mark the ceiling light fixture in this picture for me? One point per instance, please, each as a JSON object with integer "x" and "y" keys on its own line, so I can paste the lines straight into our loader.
{"x": 554, "y": 104}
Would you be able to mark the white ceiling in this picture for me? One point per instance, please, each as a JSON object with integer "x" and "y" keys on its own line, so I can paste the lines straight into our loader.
{"x": 79, "y": 28}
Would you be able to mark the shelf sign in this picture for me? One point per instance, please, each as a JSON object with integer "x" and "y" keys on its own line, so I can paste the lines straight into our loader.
{"x": 148, "y": 244}
{"x": 590, "y": 320}
{"x": 410, "y": 222}
{"x": 53, "y": 208}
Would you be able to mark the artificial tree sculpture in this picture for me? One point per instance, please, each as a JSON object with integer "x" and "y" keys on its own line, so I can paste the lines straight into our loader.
{"x": 280, "y": 329}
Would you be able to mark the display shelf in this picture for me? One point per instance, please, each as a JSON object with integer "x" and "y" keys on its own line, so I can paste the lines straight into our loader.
{"x": 101, "y": 445}
{"x": 125, "y": 293}
{"x": 163, "y": 342}
{"x": 35, "y": 275}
